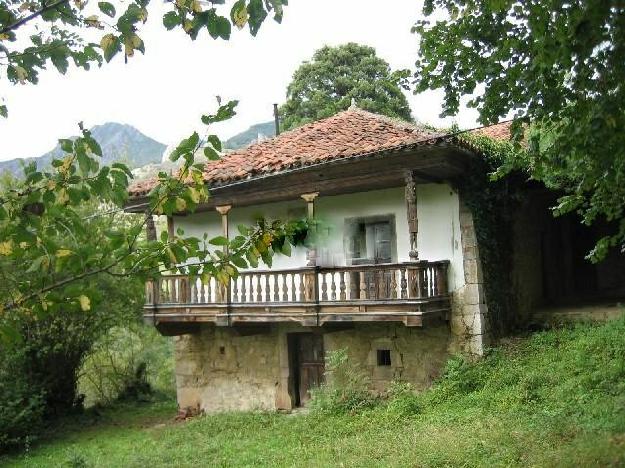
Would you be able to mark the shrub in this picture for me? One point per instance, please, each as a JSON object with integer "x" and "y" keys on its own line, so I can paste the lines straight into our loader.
{"x": 346, "y": 389}
{"x": 127, "y": 363}
{"x": 402, "y": 400}
{"x": 21, "y": 406}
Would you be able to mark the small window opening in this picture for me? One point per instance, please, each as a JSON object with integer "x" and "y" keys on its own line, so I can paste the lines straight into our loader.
{"x": 384, "y": 357}
{"x": 222, "y": 350}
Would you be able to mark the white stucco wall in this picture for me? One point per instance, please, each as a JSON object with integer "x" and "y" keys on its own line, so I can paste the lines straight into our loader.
{"x": 437, "y": 211}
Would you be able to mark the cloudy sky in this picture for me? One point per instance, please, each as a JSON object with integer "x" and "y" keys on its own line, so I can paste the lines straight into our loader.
{"x": 164, "y": 92}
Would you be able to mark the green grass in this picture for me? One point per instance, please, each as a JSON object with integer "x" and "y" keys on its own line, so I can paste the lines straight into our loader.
{"x": 556, "y": 398}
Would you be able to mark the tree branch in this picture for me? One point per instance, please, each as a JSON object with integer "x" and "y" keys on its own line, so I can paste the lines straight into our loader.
{"x": 33, "y": 15}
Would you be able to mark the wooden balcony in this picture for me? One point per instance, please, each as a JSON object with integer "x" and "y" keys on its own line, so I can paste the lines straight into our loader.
{"x": 412, "y": 293}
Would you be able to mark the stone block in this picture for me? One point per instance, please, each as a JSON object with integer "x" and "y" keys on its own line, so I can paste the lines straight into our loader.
{"x": 472, "y": 271}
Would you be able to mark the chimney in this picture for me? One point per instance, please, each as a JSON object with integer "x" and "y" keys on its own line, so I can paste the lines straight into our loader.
{"x": 276, "y": 119}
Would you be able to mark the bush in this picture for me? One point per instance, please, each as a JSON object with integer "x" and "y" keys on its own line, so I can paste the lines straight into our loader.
{"x": 402, "y": 400}
{"x": 21, "y": 406}
{"x": 127, "y": 363}
{"x": 346, "y": 389}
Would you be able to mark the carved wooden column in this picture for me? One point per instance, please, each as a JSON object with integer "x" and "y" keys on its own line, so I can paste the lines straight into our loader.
{"x": 223, "y": 211}
{"x": 309, "y": 198}
{"x": 150, "y": 228}
{"x": 170, "y": 227}
{"x": 311, "y": 255}
{"x": 411, "y": 209}
{"x": 223, "y": 291}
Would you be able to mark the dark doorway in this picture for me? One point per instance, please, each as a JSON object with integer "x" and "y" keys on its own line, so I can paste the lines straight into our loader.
{"x": 306, "y": 363}
{"x": 567, "y": 276}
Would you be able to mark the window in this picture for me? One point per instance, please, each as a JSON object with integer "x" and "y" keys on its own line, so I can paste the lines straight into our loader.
{"x": 370, "y": 240}
{"x": 384, "y": 357}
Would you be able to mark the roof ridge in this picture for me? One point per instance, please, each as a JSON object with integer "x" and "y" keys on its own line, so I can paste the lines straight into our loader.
{"x": 397, "y": 121}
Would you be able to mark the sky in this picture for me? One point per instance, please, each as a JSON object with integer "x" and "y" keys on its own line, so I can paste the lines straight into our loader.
{"x": 164, "y": 92}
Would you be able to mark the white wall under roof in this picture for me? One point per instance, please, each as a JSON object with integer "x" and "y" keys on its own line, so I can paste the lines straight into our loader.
{"x": 437, "y": 212}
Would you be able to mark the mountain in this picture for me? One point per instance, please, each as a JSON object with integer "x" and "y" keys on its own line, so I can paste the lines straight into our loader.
{"x": 119, "y": 142}
{"x": 256, "y": 132}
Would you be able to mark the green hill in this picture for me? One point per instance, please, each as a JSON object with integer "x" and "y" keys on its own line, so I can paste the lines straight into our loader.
{"x": 554, "y": 398}
{"x": 119, "y": 142}
{"x": 243, "y": 139}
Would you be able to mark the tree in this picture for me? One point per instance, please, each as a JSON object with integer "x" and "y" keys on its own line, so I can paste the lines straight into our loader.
{"x": 50, "y": 252}
{"x": 335, "y": 76}
{"x": 61, "y": 30}
{"x": 557, "y": 65}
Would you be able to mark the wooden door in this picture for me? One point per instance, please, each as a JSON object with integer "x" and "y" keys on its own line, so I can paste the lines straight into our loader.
{"x": 310, "y": 358}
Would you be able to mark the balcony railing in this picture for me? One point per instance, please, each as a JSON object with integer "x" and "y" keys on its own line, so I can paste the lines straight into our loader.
{"x": 308, "y": 294}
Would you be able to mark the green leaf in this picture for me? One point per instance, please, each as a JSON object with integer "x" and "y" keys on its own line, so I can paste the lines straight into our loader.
{"x": 252, "y": 258}
{"x": 66, "y": 145}
{"x": 238, "y": 14}
{"x": 171, "y": 20}
{"x": 239, "y": 262}
{"x": 4, "y": 111}
{"x": 107, "y": 8}
{"x": 219, "y": 240}
{"x": 211, "y": 154}
{"x": 185, "y": 146}
{"x": 215, "y": 141}
{"x": 257, "y": 13}
{"x": 218, "y": 26}
{"x": 110, "y": 45}
{"x": 286, "y": 249}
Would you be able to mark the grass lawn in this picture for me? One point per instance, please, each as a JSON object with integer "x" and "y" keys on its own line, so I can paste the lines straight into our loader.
{"x": 556, "y": 398}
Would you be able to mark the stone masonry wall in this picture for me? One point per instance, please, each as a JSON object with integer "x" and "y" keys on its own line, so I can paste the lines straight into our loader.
{"x": 417, "y": 354}
{"x": 217, "y": 370}
{"x": 469, "y": 315}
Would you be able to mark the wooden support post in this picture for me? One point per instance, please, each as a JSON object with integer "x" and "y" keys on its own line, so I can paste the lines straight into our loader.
{"x": 309, "y": 198}
{"x": 223, "y": 211}
{"x": 223, "y": 291}
{"x": 411, "y": 211}
{"x": 150, "y": 228}
{"x": 170, "y": 227}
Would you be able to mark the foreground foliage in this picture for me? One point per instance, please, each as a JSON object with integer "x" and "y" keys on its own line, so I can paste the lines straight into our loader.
{"x": 554, "y": 399}
{"x": 556, "y": 64}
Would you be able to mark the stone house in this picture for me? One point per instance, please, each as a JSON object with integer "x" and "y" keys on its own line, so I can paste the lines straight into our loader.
{"x": 396, "y": 277}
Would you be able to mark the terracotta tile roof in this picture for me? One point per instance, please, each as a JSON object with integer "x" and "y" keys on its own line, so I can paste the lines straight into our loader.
{"x": 350, "y": 133}
{"x": 500, "y": 131}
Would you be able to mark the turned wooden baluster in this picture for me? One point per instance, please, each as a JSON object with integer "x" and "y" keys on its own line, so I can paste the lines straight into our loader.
{"x": 431, "y": 281}
{"x": 184, "y": 290}
{"x": 403, "y": 283}
{"x": 192, "y": 291}
{"x": 393, "y": 284}
{"x": 302, "y": 288}
{"x": 276, "y": 292}
{"x": 209, "y": 291}
{"x": 234, "y": 295}
{"x": 148, "y": 292}
{"x": 333, "y": 286}
{"x": 364, "y": 291}
{"x": 171, "y": 286}
{"x": 243, "y": 290}
{"x": 324, "y": 287}
{"x": 267, "y": 290}
{"x": 285, "y": 287}
{"x": 354, "y": 285}
{"x": 421, "y": 278}
{"x": 342, "y": 287}
{"x": 259, "y": 289}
